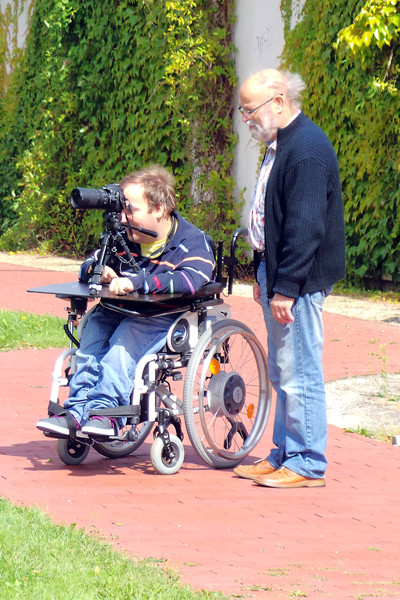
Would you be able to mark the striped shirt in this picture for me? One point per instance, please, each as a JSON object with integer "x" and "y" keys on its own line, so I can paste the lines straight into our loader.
{"x": 257, "y": 212}
{"x": 256, "y": 217}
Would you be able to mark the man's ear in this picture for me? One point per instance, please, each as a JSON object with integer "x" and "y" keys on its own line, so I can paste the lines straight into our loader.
{"x": 279, "y": 103}
{"x": 158, "y": 211}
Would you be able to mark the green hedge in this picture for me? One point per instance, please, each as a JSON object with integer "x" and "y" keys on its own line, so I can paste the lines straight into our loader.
{"x": 348, "y": 52}
{"x": 104, "y": 88}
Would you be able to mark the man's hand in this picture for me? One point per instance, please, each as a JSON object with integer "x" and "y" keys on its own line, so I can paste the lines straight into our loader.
{"x": 118, "y": 285}
{"x": 108, "y": 275}
{"x": 121, "y": 286}
{"x": 257, "y": 293}
{"x": 281, "y": 309}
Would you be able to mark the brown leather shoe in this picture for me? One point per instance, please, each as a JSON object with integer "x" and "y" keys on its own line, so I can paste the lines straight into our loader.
{"x": 253, "y": 471}
{"x": 285, "y": 478}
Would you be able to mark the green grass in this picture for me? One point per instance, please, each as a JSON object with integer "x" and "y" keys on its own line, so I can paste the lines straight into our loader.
{"x": 26, "y": 330}
{"x": 43, "y": 561}
{"x": 361, "y": 431}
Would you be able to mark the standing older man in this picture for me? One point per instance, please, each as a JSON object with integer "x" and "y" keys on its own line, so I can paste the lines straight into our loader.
{"x": 296, "y": 227}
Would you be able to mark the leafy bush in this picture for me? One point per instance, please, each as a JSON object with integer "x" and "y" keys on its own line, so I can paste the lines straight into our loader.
{"x": 349, "y": 54}
{"x": 104, "y": 88}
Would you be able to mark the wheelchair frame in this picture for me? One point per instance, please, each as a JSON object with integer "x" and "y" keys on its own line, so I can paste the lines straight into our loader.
{"x": 226, "y": 392}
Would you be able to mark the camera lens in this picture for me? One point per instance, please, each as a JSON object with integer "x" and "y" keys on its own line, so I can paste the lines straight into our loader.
{"x": 89, "y": 198}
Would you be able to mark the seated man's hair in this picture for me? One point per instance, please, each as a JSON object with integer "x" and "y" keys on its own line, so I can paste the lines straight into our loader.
{"x": 158, "y": 185}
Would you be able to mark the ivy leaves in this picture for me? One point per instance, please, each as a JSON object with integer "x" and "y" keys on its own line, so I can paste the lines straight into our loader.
{"x": 378, "y": 23}
{"x": 349, "y": 55}
{"x": 105, "y": 88}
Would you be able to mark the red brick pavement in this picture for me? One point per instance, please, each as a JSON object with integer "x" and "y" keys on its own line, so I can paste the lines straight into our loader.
{"x": 220, "y": 532}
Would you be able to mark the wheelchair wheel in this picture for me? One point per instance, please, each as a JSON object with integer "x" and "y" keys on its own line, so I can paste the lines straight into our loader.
{"x": 227, "y": 394}
{"x": 119, "y": 449}
{"x": 164, "y": 462}
{"x": 72, "y": 452}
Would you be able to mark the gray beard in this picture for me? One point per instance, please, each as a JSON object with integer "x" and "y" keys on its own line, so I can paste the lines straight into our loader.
{"x": 263, "y": 134}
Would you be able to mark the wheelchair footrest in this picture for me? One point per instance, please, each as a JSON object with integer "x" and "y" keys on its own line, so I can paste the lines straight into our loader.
{"x": 116, "y": 411}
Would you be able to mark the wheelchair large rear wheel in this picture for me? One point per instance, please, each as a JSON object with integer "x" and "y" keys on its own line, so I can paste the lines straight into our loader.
{"x": 121, "y": 448}
{"x": 227, "y": 394}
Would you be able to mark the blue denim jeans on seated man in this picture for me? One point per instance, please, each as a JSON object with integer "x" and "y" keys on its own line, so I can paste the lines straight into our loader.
{"x": 295, "y": 370}
{"x": 111, "y": 346}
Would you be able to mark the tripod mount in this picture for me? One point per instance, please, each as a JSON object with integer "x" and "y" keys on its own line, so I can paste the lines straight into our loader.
{"x": 111, "y": 240}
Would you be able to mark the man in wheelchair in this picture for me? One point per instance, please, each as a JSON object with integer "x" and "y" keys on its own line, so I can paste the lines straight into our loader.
{"x": 170, "y": 256}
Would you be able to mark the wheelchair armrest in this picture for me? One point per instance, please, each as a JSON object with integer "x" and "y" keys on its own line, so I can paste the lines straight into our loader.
{"x": 209, "y": 289}
{"x": 158, "y": 307}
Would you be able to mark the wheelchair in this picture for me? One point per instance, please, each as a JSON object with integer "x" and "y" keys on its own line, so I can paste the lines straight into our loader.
{"x": 225, "y": 390}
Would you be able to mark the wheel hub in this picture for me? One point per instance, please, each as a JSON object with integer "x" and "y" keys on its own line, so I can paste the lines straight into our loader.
{"x": 227, "y": 393}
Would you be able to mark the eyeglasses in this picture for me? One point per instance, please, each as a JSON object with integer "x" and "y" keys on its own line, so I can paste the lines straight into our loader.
{"x": 250, "y": 111}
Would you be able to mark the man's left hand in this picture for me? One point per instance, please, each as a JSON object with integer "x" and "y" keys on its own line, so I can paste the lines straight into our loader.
{"x": 121, "y": 286}
{"x": 281, "y": 309}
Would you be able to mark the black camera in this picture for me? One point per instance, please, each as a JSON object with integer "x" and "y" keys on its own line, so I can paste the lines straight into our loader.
{"x": 110, "y": 198}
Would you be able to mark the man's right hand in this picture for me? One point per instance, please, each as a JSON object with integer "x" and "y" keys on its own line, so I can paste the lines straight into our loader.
{"x": 108, "y": 275}
{"x": 281, "y": 309}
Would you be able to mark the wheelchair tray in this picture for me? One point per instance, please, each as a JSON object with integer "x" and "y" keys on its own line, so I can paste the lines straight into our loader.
{"x": 76, "y": 289}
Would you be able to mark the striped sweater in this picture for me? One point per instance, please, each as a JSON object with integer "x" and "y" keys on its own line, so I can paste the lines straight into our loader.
{"x": 185, "y": 265}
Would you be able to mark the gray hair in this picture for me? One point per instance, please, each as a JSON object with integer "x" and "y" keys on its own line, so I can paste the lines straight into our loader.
{"x": 283, "y": 82}
{"x": 295, "y": 86}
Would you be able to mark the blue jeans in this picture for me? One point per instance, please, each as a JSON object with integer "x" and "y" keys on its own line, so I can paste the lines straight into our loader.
{"x": 111, "y": 346}
{"x": 295, "y": 370}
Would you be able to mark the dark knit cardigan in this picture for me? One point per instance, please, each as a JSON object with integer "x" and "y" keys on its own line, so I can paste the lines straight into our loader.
{"x": 304, "y": 222}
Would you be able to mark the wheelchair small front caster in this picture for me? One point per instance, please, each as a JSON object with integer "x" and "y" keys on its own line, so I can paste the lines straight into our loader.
{"x": 167, "y": 460}
{"x": 72, "y": 452}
